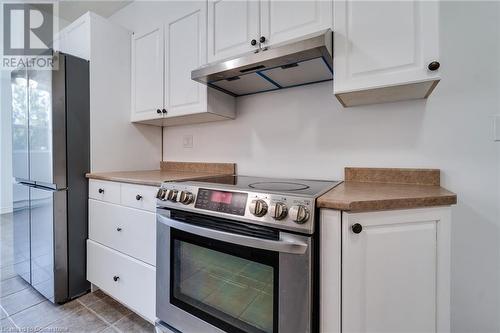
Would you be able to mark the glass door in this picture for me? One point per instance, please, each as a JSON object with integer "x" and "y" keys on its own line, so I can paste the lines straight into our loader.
{"x": 230, "y": 286}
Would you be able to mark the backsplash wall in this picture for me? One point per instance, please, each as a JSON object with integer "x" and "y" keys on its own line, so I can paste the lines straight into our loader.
{"x": 304, "y": 132}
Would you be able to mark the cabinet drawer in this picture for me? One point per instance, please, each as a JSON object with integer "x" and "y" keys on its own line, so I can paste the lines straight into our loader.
{"x": 127, "y": 230}
{"x": 135, "y": 283}
{"x": 139, "y": 196}
{"x": 104, "y": 191}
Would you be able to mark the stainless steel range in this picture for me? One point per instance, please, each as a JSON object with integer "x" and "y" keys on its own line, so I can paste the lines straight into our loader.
{"x": 237, "y": 254}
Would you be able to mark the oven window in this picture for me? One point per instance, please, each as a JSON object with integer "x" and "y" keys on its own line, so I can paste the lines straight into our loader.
{"x": 229, "y": 286}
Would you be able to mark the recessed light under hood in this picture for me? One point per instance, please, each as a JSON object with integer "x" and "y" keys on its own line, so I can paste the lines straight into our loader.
{"x": 298, "y": 62}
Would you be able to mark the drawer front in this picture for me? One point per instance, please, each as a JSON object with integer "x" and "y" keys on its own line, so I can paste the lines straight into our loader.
{"x": 104, "y": 191}
{"x": 124, "y": 229}
{"x": 139, "y": 196}
{"x": 130, "y": 281}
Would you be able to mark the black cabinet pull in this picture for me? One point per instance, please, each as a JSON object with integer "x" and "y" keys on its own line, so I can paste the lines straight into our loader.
{"x": 433, "y": 66}
{"x": 262, "y": 39}
{"x": 101, "y": 190}
{"x": 158, "y": 111}
{"x": 138, "y": 197}
{"x": 253, "y": 42}
{"x": 118, "y": 229}
{"x": 164, "y": 110}
{"x": 116, "y": 278}
{"x": 357, "y": 228}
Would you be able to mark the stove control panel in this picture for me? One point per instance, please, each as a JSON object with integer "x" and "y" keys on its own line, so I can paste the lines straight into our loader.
{"x": 278, "y": 211}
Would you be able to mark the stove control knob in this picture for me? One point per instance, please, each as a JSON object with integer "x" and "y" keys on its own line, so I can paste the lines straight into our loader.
{"x": 258, "y": 207}
{"x": 299, "y": 214}
{"x": 278, "y": 211}
{"x": 172, "y": 195}
{"x": 161, "y": 194}
{"x": 186, "y": 197}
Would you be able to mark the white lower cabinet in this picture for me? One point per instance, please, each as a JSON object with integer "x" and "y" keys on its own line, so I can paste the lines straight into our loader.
{"x": 121, "y": 250}
{"x": 395, "y": 271}
{"x": 130, "y": 281}
{"x": 128, "y": 230}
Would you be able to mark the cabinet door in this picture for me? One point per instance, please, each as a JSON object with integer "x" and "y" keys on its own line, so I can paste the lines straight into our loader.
{"x": 76, "y": 38}
{"x": 285, "y": 20}
{"x": 391, "y": 269}
{"x": 147, "y": 74}
{"x": 185, "y": 50}
{"x": 384, "y": 43}
{"x": 231, "y": 27}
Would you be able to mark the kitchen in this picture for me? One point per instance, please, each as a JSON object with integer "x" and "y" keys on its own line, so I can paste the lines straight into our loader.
{"x": 305, "y": 133}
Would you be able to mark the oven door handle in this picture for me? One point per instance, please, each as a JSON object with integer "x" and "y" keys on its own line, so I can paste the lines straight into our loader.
{"x": 288, "y": 243}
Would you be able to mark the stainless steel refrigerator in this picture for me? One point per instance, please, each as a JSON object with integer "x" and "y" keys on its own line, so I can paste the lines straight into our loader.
{"x": 51, "y": 154}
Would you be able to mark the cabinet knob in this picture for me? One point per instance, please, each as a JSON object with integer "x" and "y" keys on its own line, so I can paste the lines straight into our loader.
{"x": 116, "y": 278}
{"x": 118, "y": 229}
{"x": 357, "y": 228}
{"x": 253, "y": 42}
{"x": 262, "y": 39}
{"x": 164, "y": 110}
{"x": 433, "y": 66}
{"x": 138, "y": 197}
{"x": 158, "y": 111}
{"x": 101, "y": 190}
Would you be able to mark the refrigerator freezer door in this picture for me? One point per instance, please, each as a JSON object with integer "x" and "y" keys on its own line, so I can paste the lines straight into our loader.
{"x": 20, "y": 129}
{"x": 21, "y": 226}
{"x": 47, "y": 127}
{"x": 49, "y": 243}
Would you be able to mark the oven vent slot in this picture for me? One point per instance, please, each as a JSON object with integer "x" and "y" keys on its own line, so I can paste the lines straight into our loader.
{"x": 225, "y": 225}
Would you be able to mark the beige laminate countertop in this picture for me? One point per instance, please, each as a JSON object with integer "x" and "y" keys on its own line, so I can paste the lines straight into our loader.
{"x": 375, "y": 189}
{"x": 150, "y": 177}
{"x": 362, "y": 197}
{"x": 169, "y": 171}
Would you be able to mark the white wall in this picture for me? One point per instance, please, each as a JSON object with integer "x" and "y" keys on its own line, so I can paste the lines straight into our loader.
{"x": 304, "y": 132}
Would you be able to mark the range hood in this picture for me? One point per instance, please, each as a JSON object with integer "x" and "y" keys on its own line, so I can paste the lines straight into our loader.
{"x": 298, "y": 62}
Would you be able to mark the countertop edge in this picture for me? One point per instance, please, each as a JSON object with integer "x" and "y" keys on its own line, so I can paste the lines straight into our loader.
{"x": 356, "y": 206}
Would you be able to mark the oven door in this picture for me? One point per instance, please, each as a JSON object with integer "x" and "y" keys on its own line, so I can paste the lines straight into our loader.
{"x": 216, "y": 275}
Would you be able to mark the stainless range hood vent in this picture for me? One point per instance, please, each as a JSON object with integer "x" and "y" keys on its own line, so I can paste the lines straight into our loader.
{"x": 298, "y": 62}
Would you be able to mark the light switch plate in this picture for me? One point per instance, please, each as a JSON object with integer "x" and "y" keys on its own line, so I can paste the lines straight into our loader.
{"x": 187, "y": 141}
{"x": 496, "y": 128}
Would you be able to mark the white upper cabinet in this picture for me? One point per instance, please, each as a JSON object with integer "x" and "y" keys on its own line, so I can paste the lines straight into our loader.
{"x": 395, "y": 271}
{"x": 185, "y": 50}
{"x": 163, "y": 93}
{"x": 383, "y": 50}
{"x": 147, "y": 74}
{"x": 232, "y": 25}
{"x": 281, "y": 21}
{"x": 75, "y": 38}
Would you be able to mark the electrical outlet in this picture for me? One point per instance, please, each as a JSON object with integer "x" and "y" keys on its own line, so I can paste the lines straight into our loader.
{"x": 187, "y": 141}
{"x": 496, "y": 128}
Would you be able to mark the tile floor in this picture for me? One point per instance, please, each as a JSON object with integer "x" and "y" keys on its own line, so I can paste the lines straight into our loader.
{"x": 23, "y": 309}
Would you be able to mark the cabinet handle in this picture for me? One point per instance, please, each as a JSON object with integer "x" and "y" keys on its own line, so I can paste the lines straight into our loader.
{"x": 262, "y": 39}
{"x": 138, "y": 197}
{"x": 116, "y": 278}
{"x": 253, "y": 42}
{"x": 433, "y": 66}
{"x": 101, "y": 190}
{"x": 357, "y": 228}
{"x": 118, "y": 229}
{"x": 158, "y": 111}
{"x": 164, "y": 110}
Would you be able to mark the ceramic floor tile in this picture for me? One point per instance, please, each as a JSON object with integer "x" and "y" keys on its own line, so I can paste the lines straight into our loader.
{"x": 44, "y": 314}
{"x": 110, "y": 310}
{"x": 260, "y": 313}
{"x": 90, "y": 298}
{"x": 3, "y": 314}
{"x": 21, "y": 300}
{"x": 12, "y": 285}
{"x": 134, "y": 323}
{"x": 81, "y": 321}
{"x": 6, "y": 325}
{"x": 110, "y": 329}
